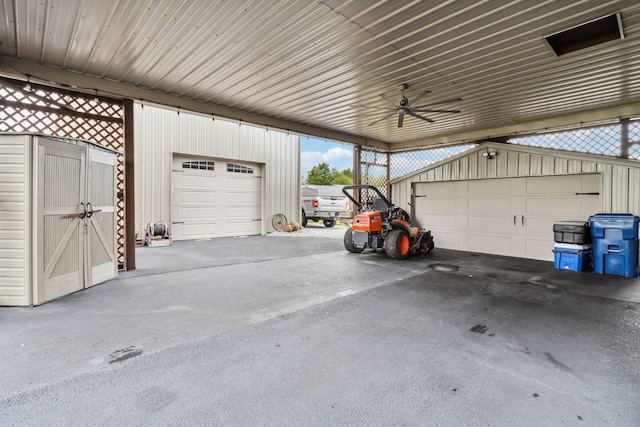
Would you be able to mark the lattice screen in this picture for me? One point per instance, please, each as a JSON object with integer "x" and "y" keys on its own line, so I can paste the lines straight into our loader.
{"x": 604, "y": 140}
{"x": 411, "y": 161}
{"x": 634, "y": 138}
{"x": 60, "y": 113}
{"x": 373, "y": 171}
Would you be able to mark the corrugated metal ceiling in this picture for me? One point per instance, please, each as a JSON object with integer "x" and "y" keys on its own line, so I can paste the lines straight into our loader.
{"x": 324, "y": 64}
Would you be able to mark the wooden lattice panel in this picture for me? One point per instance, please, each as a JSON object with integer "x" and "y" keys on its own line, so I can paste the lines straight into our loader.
{"x": 73, "y": 115}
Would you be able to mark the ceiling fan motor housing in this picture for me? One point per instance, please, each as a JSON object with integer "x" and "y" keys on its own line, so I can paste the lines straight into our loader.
{"x": 404, "y": 102}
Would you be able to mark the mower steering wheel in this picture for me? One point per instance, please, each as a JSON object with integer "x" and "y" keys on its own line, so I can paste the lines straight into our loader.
{"x": 399, "y": 213}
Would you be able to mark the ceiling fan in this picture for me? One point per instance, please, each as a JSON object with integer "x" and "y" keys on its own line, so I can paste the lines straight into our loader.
{"x": 404, "y": 106}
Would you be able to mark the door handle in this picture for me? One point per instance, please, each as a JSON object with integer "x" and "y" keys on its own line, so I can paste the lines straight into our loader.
{"x": 523, "y": 220}
{"x": 514, "y": 220}
{"x": 78, "y": 215}
{"x": 90, "y": 210}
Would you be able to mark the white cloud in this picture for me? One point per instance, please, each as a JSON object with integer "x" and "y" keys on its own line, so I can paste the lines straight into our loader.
{"x": 337, "y": 157}
{"x": 338, "y": 154}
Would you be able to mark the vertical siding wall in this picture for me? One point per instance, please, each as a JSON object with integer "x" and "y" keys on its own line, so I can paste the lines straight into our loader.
{"x": 620, "y": 178}
{"x": 160, "y": 132}
{"x": 15, "y": 219}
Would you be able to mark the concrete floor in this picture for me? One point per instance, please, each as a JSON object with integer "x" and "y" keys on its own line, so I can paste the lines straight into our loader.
{"x": 279, "y": 331}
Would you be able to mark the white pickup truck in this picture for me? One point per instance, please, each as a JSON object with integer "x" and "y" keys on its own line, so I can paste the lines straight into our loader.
{"x": 324, "y": 203}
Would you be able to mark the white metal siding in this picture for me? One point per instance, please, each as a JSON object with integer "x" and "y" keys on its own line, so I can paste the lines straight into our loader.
{"x": 15, "y": 245}
{"x": 160, "y": 132}
{"x": 620, "y": 178}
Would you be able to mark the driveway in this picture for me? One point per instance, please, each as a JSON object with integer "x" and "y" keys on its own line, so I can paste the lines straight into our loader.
{"x": 293, "y": 330}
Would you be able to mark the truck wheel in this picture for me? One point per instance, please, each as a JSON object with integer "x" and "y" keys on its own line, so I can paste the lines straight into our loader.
{"x": 329, "y": 222}
{"x": 396, "y": 245}
{"x": 304, "y": 219}
{"x": 348, "y": 242}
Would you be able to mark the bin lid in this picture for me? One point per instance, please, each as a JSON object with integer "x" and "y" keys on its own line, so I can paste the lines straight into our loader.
{"x": 573, "y": 246}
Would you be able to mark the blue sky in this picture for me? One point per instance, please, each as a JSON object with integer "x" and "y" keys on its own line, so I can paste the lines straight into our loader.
{"x": 315, "y": 151}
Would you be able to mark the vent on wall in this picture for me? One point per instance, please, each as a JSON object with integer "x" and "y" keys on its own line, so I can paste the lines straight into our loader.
{"x": 592, "y": 33}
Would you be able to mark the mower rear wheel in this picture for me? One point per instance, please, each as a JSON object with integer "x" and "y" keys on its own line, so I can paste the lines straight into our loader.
{"x": 348, "y": 242}
{"x": 329, "y": 222}
{"x": 397, "y": 244}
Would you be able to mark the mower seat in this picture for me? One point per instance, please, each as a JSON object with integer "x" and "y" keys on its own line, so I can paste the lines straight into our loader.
{"x": 382, "y": 207}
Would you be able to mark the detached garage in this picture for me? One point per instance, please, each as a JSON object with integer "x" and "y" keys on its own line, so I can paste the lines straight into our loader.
{"x": 503, "y": 199}
{"x": 207, "y": 177}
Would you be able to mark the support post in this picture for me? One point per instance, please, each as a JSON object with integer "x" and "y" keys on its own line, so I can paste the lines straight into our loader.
{"x": 129, "y": 193}
{"x": 625, "y": 143}
{"x": 357, "y": 172}
{"x": 388, "y": 176}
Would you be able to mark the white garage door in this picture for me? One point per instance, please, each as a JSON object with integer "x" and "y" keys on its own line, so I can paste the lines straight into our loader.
{"x": 507, "y": 216}
{"x": 215, "y": 198}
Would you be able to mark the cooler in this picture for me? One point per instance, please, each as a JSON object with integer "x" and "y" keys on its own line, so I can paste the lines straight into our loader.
{"x": 572, "y": 257}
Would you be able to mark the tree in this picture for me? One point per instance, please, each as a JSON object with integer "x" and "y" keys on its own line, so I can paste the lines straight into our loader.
{"x": 321, "y": 174}
{"x": 344, "y": 177}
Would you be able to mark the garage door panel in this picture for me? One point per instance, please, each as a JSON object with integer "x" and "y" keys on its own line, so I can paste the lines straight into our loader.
{"x": 244, "y": 183}
{"x": 541, "y": 249}
{"x": 555, "y": 206}
{"x": 489, "y": 243}
{"x": 439, "y": 221}
{"x": 196, "y": 231}
{"x": 197, "y": 197}
{"x": 243, "y": 228}
{"x": 498, "y": 224}
{"x": 244, "y": 212}
{"x": 591, "y": 183}
{"x": 540, "y": 226}
{"x": 436, "y": 189}
{"x": 197, "y": 213}
{"x": 196, "y": 180}
{"x": 451, "y": 240}
{"x": 437, "y": 204}
{"x": 243, "y": 197}
{"x": 565, "y": 184}
{"x": 489, "y": 187}
{"x": 489, "y": 204}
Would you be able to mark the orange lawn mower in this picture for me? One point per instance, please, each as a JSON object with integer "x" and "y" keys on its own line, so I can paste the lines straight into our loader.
{"x": 384, "y": 226}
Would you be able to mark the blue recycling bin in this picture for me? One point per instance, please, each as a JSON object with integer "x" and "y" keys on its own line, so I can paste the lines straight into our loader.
{"x": 615, "y": 244}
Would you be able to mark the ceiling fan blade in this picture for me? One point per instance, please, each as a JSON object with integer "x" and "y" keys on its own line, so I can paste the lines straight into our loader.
{"x": 418, "y": 116}
{"x": 373, "y": 108}
{"x": 423, "y": 110}
{"x": 401, "y": 118}
{"x": 446, "y": 101}
{"x": 384, "y": 118}
{"x": 419, "y": 97}
{"x": 389, "y": 100}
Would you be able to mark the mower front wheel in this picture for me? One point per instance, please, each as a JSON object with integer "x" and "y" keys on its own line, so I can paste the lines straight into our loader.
{"x": 397, "y": 244}
{"x": 348, "y": 242}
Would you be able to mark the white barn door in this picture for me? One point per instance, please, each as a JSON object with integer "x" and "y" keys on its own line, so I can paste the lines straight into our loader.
{"x": 60, "y": 183}
{"x": 101, "y": 261}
